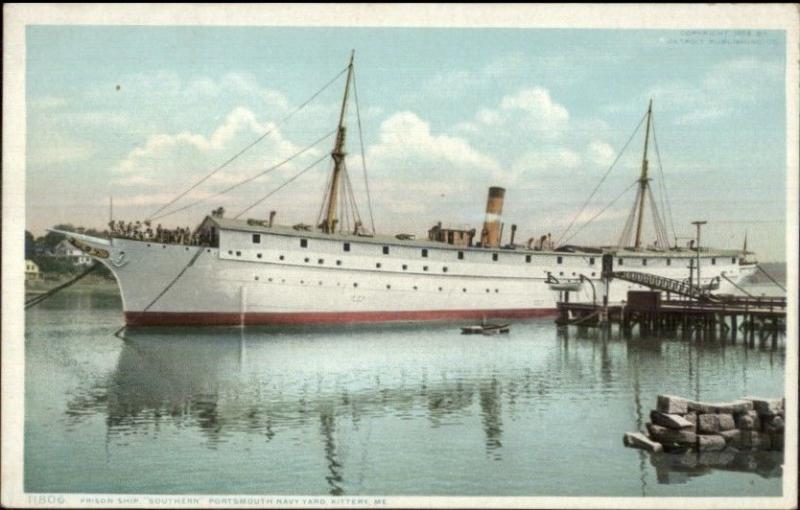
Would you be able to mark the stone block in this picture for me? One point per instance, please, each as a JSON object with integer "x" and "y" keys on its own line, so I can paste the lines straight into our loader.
{"x": 691, "y": 417}
{"x": 749, "y": 421}
{"x": 775, "y": 424}
{"x": 639, "y": 440}
{"x": 735, "y": 407}
{"x": 663, "y": 435}
{"x": 726, "y": 422}
{"x": 732, "y": 436}
{"x": 671, "y": 404}
{"x": 708, "y": 423}
{"x": 671, "y": 421}
{"x": 700, "y": 407}
{"x": 710, "y": 443}
{"x": 766, "y": 406}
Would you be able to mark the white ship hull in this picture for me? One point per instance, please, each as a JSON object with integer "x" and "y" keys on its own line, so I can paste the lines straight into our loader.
{"x": 276, "y": 281}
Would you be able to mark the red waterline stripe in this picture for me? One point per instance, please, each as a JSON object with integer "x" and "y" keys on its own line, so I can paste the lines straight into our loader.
{"x": 255, "y": 319}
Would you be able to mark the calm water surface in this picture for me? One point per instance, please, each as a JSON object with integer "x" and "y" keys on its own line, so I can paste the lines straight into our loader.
{"x": 396, "y": 411}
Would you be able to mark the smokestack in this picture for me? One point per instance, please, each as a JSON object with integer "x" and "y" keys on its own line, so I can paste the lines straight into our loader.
{"x": 513, "y": 233}
{"x": 271, "y": 217}
{"x": 494, "y": 210}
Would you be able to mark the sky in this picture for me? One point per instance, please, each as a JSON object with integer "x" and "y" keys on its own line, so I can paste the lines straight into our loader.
{"x": 141, "y": 113}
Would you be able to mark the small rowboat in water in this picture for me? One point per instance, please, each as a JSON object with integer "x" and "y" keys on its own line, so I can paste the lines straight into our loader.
{"x": 485, "y": 329}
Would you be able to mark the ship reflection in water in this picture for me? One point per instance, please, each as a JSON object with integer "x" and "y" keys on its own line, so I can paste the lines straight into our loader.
{"x": 392, "y": 410}
{"x": 224, "y": 384}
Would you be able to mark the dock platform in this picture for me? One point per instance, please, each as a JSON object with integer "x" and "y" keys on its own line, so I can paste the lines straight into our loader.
{"x": 761, "y": 316}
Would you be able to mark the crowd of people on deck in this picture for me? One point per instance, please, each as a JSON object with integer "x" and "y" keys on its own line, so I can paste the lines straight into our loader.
{"x": 144, "y": 231}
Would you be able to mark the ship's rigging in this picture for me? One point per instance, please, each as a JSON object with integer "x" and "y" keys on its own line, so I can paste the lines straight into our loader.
{"x": 632, "y": 232}
{"x": 339, "y": 203}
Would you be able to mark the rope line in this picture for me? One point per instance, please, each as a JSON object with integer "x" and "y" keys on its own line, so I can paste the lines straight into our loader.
{"x": 665, "y": 195}
{"x": 248, "y": 147}
{"x": 363, "y": 157}
{"x": 174, "y": 280}
{"x": 309, "y": 167}
{"x": 604, "y": 209}
{"x": 249, "y": 179}
{"x": 771, "y": 278}
{"x": 619, "y": 155}
{"x": 38, "y": 299}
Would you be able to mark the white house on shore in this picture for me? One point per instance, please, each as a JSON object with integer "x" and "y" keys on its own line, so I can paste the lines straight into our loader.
{"x": 32, "y": 271}
{"x": 78, "y": 257}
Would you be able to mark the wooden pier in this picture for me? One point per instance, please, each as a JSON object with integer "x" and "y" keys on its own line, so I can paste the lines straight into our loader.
{"x": 754, "y": 317}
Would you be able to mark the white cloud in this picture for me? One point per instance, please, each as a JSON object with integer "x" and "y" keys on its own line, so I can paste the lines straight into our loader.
{"x": 600, "y": 153}
{"x": 537, "y": 103}
{"x": 407, "y": 146}
{"x": 176, "y": 160}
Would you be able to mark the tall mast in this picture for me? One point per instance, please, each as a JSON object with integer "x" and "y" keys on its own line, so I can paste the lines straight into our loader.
{"x": 338, "y": 154}
{"x": 643, "y": 180}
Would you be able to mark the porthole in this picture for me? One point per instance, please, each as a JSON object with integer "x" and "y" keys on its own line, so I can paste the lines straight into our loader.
{"x": 388, "y": 286}
{"x": 258, "y": 255}
{"x": 378, "y": 265}
{"x": 487, "y": 291}
{"x": 269, "y": 279}
{"x": 319, "y": 283}
{"x": 302, "y": 282}
{"x": 338, "y": 262}
{"x": 496, "y": 291}
{"x": 415, "y": 287}
{"x": 355, "y": 285}
{"x": 238, "y": 254}
{"x": 440, "y": 289}
{"x": 256, "y": 278}
{"x": 306, "y": 259}
{"x": 561, "y": 273}
{"x": 463, "y": 290}
{"x": 230, "y": 252}
{"x": 405, "y": 267}
{"x": 424, "y": 268}
{"x": 320, "y": 261}
{"x": 187, "y": 248}
{"x": 281, "y": 257}
{"x": 444, "y": 269}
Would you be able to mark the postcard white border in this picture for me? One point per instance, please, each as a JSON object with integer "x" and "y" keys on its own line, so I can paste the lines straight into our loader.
{"x": 618, "y": 16}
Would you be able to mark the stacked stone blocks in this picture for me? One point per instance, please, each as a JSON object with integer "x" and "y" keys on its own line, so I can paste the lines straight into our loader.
{"x": 679, "y": 424}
